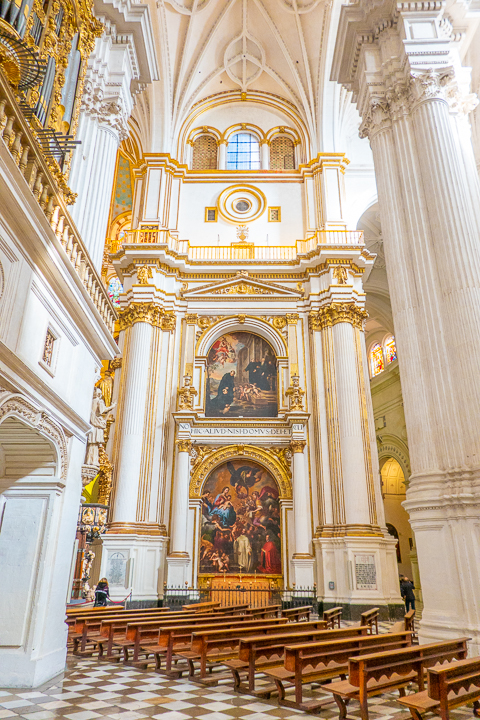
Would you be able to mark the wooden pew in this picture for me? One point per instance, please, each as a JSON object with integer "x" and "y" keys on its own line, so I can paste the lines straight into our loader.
{"x": 375, "y": 674}
{"x": 333, "y": 617}
{"x": 448, "y": 687}
{"x": 201, "y": 607}
{"x": 147, "y": 633}
{"x": 408, "y": 623}
{"x": 87, "y": 630}
{"x": 258, "y": 652}
{"x": 369, "y": 619}
{"x": 264, "y": 611}
{"x": 219, "y": 645}
{"x": 177, "y": 639}
{"x": 231, "y": 609}
{"x": 297, "y": 614}
{"x": 323, "y": 661}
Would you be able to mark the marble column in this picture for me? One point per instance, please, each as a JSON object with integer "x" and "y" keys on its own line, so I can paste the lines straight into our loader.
{"x": 178, "y": 558}
{"x": 93, "y": 180}
{"x": 302, "y": 559}
{"x": 431, "y": 226}
{"x": 265, "y": 154}
{"x": 222, "y": 155}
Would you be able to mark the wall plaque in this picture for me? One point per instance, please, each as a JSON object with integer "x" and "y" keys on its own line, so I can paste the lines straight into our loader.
{"x": 365, "y": 572}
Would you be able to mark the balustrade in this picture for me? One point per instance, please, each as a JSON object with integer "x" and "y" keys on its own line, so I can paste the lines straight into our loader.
{"x": 51, "y": 194}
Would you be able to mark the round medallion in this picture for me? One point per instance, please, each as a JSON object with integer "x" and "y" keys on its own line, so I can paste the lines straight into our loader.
{"x": 241, "y": 203}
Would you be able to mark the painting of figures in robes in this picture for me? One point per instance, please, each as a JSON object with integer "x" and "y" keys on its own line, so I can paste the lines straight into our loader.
{"x": 241, "y": 377}
{"x": 240, "y": 530}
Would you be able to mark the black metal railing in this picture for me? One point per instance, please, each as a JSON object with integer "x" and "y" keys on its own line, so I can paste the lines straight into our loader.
{"x": 176, "y": 597}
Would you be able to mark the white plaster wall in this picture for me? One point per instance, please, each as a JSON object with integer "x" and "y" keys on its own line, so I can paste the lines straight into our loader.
{"x": 224, "y": 116}
{"x": 195, "y": 197}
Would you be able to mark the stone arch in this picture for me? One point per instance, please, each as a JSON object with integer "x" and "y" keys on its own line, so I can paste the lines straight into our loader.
{"x": 251, "y": 324}
{"x": 42, "y": 442}
{"x": 392, "y": 446}
{"x": 275, "y": 462}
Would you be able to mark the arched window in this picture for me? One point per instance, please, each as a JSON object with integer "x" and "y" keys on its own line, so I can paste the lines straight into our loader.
{"x": 390, "y": 349}
{"x": 243, "y": 152}
{"x": 282, "y": 154}
{"x": 376, "y": 360}
{"x": 114, "y": 289}
{"x": 204, "y": 153}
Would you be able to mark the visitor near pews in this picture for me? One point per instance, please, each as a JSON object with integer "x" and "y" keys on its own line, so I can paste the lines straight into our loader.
{"x": 101, "y": 593}
{"x": 406, "y": 590}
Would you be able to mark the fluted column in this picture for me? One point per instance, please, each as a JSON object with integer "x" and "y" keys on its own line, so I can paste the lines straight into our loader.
{"x": 429, "y": 207}
{"x": 300, "y": 500}
{"x": 92, "y": 179}
{"x": 135, "y": 377}
{"x": 357, "y": 535}
{"x": 178, "y": 558}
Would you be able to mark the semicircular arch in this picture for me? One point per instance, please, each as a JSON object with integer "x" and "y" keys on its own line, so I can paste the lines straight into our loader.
{"x": 265, "y": 458}
{"x": 252, "y": 324}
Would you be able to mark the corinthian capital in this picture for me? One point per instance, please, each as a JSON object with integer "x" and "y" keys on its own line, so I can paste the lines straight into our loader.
{"x": 336, "y": 313}
{"x": 148, "y": 313}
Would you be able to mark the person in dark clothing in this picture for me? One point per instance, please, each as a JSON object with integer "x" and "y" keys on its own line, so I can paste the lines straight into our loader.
{"x": 101, "y": 593}
{"x": 221, "y": 403}
{"x": 406, "y": 590}
{"x": 253, "y": 371}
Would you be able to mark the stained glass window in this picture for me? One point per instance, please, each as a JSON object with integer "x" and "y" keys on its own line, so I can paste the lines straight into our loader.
{"x": 243, "y": 152}
{"x": 376, "y": 359}
{"x": 115, "y": 287}
{"x": 390, "y": 349}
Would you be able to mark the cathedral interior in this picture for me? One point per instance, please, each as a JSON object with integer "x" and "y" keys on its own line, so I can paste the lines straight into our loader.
{"x": 237, "y": 337}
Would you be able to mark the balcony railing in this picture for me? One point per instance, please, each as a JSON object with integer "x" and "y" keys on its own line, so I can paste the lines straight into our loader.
{"x": 51, "y": 193}
{"x": 246, "y": 250}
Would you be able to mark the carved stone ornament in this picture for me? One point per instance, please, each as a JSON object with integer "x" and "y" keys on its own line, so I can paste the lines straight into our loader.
{"x": 242, "y": 289}
{"x": 89, "y": 473}
{"x": 18, "y": 406}
{"x": 297, "y": 446}
{"x": 335, "y": 313}
{"x": 295, "y": 394}
{"x": 284, "y": 455}
{"x": 206, "y": 321}
{"x": 199, "y": 453}
{"x": 98, "y": 422}
{"x": 340, "y": 274}
{"x": 107, "y": 110}
{"x": 292, "y": 318}
{"x": 148, "y": 313}
{"x": 144, "y": 274}
{"x": 186, "y": 394}
{"x": 184, "y": 445}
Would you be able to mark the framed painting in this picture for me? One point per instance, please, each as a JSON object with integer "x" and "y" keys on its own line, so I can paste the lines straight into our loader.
{"x": 241, "y": 526}
{"x": 241, "y": 377}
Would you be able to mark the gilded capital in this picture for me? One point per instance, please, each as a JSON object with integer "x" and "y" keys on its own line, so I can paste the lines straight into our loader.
{"x": 147, "y": 313}
{"x": 297, "y": 446}
{"x": 184, "y": 445}
{"x": 191, "y": 319}
{"x": 292, "y": 318}
{"x": 336, "y": 313}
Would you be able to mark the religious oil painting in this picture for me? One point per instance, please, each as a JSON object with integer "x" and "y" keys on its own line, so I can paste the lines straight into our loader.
{"x": 240, "y": 531}
{"x": 241, "y": 377}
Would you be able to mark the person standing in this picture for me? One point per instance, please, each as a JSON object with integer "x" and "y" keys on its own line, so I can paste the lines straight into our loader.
{"x": 406, "y": 589}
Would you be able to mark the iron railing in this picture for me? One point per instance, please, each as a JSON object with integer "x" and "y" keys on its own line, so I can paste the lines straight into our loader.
{"x": 175, "y": 598}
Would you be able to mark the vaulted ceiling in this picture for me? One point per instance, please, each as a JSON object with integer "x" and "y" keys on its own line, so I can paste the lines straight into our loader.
{"x": 212, "y": 47}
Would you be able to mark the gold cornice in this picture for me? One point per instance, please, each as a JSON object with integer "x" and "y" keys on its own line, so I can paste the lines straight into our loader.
{"x": 336, "y": 313}
{"x": 136, "y": 528}
{"x": 147, "y": 313}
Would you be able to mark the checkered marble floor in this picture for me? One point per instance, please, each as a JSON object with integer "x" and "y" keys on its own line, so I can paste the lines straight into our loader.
{"x": 89, "y": 689}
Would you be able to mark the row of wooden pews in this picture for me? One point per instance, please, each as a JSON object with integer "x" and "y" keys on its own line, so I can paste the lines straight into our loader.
{"x": 291, "y": 650}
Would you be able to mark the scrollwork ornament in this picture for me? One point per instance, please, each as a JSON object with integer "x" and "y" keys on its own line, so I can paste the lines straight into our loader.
{"x": 199, "y": 453}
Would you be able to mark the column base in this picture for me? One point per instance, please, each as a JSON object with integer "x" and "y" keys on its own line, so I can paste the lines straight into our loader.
{"x": 178, "y": 575}
{"x": 303, "y": 570}
{"x": 357, "y": 571}
{"x": 134, "y": 563}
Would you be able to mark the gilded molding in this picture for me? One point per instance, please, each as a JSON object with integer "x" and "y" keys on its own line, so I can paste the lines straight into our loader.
{"x": 267, "y": 458}
{"x": 336, "y": 313}
{"x": 147, "y": 313}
